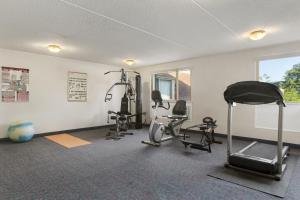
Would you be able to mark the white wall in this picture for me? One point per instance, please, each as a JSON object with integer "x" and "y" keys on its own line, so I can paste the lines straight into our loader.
{"x": 265, "y": 117}
{"x": 48, "y": 107}
{"x": 210, "y": 77}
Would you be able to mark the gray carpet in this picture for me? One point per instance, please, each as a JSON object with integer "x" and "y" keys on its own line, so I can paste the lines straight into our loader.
{"x": 124, "y": 169}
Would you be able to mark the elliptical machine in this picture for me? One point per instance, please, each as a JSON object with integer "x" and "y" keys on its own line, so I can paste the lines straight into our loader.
{"x": 158, "y": 130}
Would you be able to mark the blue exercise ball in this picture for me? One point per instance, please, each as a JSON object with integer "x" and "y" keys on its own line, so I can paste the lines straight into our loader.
{"x": 21, "y": 131}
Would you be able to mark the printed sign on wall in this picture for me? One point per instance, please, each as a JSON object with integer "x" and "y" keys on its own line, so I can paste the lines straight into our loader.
{"x": 77, "y": 86}
{"x": 15, "y": 83}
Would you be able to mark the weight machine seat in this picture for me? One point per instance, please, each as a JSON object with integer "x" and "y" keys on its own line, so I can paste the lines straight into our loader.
{"x": 123, "y": 114}
{"x": 122, "y": 118}
{"x": 253, "y": 93}
{"x": 113, "y": 117}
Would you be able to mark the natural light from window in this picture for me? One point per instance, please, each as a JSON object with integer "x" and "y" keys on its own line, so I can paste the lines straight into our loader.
{"x": 173, "y": 84}
{"x": 284, "y": 73}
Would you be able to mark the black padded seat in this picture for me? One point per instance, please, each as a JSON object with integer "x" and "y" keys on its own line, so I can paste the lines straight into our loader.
{"x": 113, "y": 117}
{"x": 122, "y": 118}
{"x": 202, "y": 128}
{"x": 179, "y": 108}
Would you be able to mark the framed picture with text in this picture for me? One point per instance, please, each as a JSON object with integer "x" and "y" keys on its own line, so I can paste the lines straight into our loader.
{"x": 77, "y": 87}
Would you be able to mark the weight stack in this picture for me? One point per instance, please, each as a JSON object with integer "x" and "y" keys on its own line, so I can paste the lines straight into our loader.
{"x": 138, "y": 103}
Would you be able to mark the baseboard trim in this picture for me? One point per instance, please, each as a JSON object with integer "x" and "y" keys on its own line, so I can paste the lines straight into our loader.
{"x": 65, "y": 131}
{"x": 195, "y": 131}
{"x": 243, "y": 138}
{"x": 4, "y": 139}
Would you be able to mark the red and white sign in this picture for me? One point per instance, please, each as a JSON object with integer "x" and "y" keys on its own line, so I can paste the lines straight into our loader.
{"x": 15, "y": 84}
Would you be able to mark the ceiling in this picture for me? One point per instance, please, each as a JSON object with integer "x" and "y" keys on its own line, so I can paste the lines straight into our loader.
{"x": 150, "y": 31}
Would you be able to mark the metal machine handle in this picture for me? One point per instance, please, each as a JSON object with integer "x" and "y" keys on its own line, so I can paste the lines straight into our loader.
{"x": 167, "y": 108}
{"x": 156, "y": 105}
{"x": 108, "y": 97}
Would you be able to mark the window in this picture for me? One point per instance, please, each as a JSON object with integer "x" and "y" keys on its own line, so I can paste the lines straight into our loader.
{"x": 284, "y": 73}
{"x": 184, "y": 85}
{"x": 173, "y": 85}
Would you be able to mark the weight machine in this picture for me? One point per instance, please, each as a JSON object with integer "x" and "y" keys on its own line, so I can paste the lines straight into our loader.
{"x": 124, "y": 81}
{"x": 123, "y": 118}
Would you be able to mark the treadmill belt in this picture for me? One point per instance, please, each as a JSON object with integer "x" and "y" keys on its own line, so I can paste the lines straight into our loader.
{"x": 262, "y": 150}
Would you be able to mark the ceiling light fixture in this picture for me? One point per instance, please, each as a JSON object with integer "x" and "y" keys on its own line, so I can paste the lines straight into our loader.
{"x": 129, "y": 62}
{"x": 54, "y": 48}
{"x": 257, "y": 35}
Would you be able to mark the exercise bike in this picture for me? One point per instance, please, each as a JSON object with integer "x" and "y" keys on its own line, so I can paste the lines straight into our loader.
{"x": 158, "y": 132}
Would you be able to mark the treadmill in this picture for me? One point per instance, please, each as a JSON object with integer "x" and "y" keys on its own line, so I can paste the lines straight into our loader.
{"x": 258, "y": 158}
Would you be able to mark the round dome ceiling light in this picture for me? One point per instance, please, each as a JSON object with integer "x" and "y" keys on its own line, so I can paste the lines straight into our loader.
{"x": 257, "y": 34}
{"x": 54, "y": 48}
{"x": 129, "y": 62}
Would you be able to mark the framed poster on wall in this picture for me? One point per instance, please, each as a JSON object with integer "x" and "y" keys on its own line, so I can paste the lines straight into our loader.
{"x": 77, "y": 87}
{"x": 15, "y": 84}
